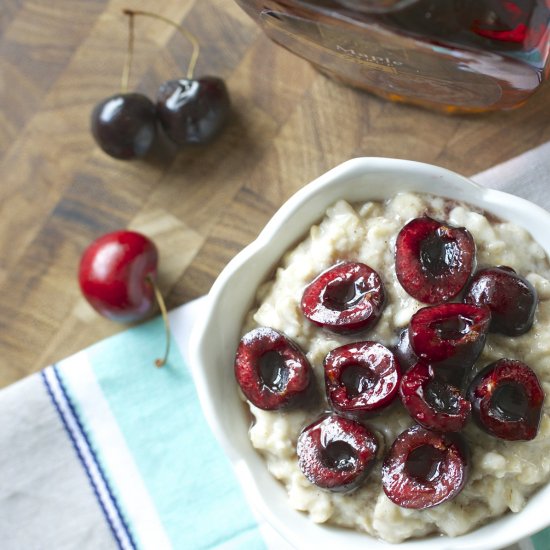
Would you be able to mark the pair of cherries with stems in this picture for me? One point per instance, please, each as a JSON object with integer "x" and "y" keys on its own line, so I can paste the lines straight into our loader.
{"x": 190, "y": 111}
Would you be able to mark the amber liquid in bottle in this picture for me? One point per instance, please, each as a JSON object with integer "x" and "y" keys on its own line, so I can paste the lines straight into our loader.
{"x": 451, "y": 55}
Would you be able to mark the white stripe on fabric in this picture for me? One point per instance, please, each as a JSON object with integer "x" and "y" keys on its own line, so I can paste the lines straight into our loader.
{"x": 115, "y": 455}
{"x": 88, "y": 460}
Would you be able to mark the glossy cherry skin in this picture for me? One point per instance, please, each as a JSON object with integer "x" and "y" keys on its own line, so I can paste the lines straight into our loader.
{"x": 511, "y": 299}
{"x": 507, "y": 400}
{"x": 424, "y": 468}
{"x": 346, "y": 298}
{"x": 193, "y": 111}
{"x": 433, "y": 261}
{"x": 361, "y": 378}
{"x": 336, "y": 453}
{"x": 116, "y": 275}
{"x": 271, "y": 370}
{"x": 450, "y": 334}
{"x": 404, "y": 352}
{"x": 432, "y": 402}
{"x": 124, "y": 125}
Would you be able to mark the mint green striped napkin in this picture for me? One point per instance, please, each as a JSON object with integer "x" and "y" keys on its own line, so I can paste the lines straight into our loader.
{"x": 130, "y": 461}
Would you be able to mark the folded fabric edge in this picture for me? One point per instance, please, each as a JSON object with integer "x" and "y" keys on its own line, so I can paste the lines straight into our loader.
{"x": 117, "y": 419}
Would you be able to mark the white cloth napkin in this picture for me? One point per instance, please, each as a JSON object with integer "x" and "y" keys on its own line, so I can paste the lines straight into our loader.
{"x": 527, "y": 176}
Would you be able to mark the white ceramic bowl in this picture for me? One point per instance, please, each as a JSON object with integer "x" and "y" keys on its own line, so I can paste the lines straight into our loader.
{"x": 217, "y": 332}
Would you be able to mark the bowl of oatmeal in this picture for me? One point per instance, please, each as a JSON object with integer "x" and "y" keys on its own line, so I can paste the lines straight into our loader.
{"x": 355, "y": 212}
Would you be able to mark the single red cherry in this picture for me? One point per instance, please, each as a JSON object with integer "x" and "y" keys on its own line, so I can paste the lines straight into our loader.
{"x": 117, "y": 275}
{"x": 451, "y": 334}
{"x": 361, "y": 378}
{"x": 432, "y": 402}
{"x": 336, "y": 453}
{"x": 193, "y": 111}
{"x": 511, "y": 298}
{"x": 433, "y": 260}
{"x": 346, "y": 298}
{"x": 507, "y": 400}
{"x": 271, "y": 370}
{"x": 424, "y": 468}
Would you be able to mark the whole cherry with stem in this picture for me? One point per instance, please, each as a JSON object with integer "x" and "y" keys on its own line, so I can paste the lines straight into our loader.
{"x": 190, "y": 110}
{"x": 117, "y": 276}
{"x": 124, "y": 125}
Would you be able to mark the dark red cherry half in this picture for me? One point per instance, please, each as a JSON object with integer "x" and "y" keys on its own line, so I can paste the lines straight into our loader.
{"x": 361, "y": 377}
{"x": 336, "y": 453}
{"x": 507, "y": 400}
{"x": 453, "y": 333}
{"x": 433, "y": 261}
{"x": 271, "y": 370}
{"x": 424, "y": 468}
{"x": 345, "y": 298}
{"x": 432, "y": 402}
{"x": 511, "y": 298}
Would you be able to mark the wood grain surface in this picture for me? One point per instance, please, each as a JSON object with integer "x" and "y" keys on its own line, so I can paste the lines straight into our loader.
{"x": 202, "y": 205}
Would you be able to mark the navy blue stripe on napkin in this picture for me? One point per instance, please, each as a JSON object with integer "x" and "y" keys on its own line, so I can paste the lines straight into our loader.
{"x": 88, "y": 458}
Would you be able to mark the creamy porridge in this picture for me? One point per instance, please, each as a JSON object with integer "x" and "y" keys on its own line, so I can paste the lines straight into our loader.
{"x": 503, "y": 474}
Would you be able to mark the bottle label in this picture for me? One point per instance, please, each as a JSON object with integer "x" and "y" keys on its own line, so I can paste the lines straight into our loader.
{"x": 375, "y": 62}
{"x": 376, "y": 58}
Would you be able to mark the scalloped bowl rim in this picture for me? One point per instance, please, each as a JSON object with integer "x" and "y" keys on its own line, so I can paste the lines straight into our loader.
{"x": 211, "y": 359}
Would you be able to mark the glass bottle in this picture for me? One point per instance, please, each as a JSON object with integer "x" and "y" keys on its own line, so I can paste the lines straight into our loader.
{"x": 451, "y": 55}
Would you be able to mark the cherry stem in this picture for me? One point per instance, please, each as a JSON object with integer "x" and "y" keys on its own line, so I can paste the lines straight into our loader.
{"x": 162, "y": 306}
{"x": 186, "y": 33}
{"x": 130, "y": 54}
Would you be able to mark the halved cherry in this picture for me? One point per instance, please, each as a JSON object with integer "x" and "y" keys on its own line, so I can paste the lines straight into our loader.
{"x": 424, "y": 468}
{"x": 453, "y": 333}
{"x": 507, "y": 400}
{"x": 345, "y": 298}
{"x": 511, "y": 299}
{"x": 361, "y": 377}
{"x": 270, "y": 369}
{"x": 433, "y": 261}
{"x": 336, "y": 453}
{"x": 432, "y": 402}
